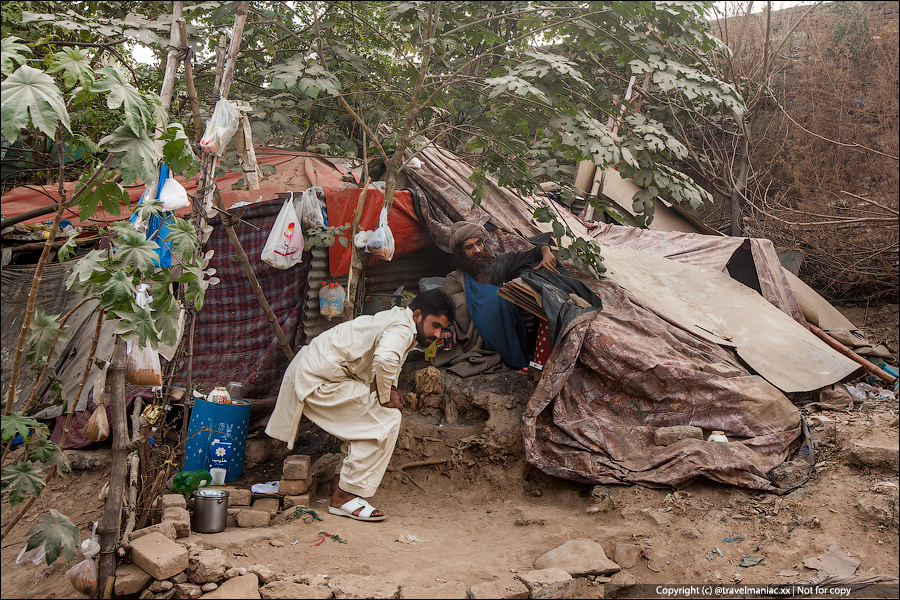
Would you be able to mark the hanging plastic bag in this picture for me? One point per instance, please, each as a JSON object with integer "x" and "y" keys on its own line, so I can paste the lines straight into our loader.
{"x": 220, "y": 128}
{"x": 284, "y": 246}
{"x": 84, "y": 576}
{"x": 142, "y": 363}
{"x": 36, "y": 555}
{"x": 100, "y": 386}
{"x": 310, "y": 212}
{"x": 97, "y": 427}
{"x": 381, "y": 242}
{"x": 173, "y": 196}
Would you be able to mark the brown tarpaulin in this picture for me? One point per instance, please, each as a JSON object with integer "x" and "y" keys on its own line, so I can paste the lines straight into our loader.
{"x": 619, "y": 374}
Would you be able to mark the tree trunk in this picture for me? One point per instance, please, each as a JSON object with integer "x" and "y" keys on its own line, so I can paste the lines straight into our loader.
{"x": 112, "y": 511}
{"x": 175, "y": 42}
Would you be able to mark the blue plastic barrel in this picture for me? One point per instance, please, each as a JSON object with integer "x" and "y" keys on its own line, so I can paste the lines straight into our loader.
{"x": 225, "y": 422}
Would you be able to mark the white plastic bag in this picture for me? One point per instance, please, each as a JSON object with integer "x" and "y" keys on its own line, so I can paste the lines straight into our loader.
{"x": 284, "y": 246}
{"x": 220, "y": 128}
{"x": 173, "y": 196}
{"x": 310, "y": 212}
{"x": 381, "y": 242}
{"x": 36, "y": 555}
{"x": 84, "y": 576}
{"x": 142, "y": 364}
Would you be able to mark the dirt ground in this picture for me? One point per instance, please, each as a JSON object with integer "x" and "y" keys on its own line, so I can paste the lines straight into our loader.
{"x": 491, "y": 515}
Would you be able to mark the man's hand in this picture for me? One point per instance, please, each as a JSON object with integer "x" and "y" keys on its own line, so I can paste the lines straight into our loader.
{"x": 548, "y": 262}
{"x": 396, "y": 400}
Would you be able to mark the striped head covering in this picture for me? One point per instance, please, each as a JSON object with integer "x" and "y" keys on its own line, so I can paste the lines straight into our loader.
{"x": 463, "y": 230}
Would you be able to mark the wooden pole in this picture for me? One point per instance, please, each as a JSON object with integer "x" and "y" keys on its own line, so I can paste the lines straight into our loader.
{"x": 189, "y": 81}
{"x": 356, "y": 262}
{"x": 871, "y": 368}
{"x": 239, "y": 20}
{"x": 172, "y": 57}
{"x": 112, "y": 511}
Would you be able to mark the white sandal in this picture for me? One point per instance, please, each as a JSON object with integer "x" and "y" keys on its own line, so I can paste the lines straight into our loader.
{"x": 350, "y": 506}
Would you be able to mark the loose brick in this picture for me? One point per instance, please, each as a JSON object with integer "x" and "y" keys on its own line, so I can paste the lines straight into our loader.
{"x": 166, "y": 528}
{"x": 184, "y": 591}
{"x": 253, "y": 518}
{"x": 180, "y": 518}
{"x": 301, "y": 500}
{"x": 294, "y": 487}
{"x": 287, "y": 589}
{"x": 243, "y": 586}
{"x": 238, "y": 496}
{"x": 269, "y": 505}
{"x": 174, "y": 500}
{"x": 159, "y": 556}
{"x": 207, "y": 566}
{"x": 548, "y": 583}
{"x": 505, "y": 587}
{"x": 131, "y": 579}
{"x": 358, "y": 586}
{"x": 296, "y": 467}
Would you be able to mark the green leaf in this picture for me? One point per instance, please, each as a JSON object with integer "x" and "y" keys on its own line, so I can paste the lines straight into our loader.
{"x": 135, "y": 251}
{"x": 31, "y": 92}
{"x": 109, "y": 194}
{"x": 76, "y": 67}
{"x": 43, "y": 452}
{"x": 86, "y": 267}
{"x": 119, "y": 290}
{"x": 182, "y": 238}
{"x": 17, "y": 424}
{"x": 40, "y": 336}
{"x": 68, "y": 249}
{"x": 140, "y": 154}
{"x": 138, "y": 115}
{"x": 177, "y": 151}
{"x": 21, "y": 480}
{"x": 10, "y": 49}
{"x": 58, "y": 535}
{"x": 137, "y": 326}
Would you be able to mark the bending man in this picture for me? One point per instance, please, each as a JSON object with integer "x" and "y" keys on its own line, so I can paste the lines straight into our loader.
{"x": 345, "y": 382}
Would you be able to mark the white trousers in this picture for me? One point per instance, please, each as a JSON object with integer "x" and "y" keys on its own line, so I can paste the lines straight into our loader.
{"x": 349, "y": 411}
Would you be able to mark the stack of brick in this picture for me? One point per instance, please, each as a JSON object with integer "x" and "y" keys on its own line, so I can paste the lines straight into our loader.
{"x": 296, "y": 480}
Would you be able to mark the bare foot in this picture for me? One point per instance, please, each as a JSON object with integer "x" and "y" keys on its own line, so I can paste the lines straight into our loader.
{"x": 339, "y": 497}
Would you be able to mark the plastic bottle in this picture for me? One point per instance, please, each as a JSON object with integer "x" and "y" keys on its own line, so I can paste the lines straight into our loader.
{"x": 331, "y": 300}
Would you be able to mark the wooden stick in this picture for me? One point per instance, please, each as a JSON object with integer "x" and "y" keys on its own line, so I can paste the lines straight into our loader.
{"x": 112, "y": 511}
{"x": 239, "y": 20}
{"x": 134, "y": 461}
{"x": 871, "y": 368}
{"x": 172, "y": 57}
{"x": 356, "y": 262}
{"x": 189, "y": 82}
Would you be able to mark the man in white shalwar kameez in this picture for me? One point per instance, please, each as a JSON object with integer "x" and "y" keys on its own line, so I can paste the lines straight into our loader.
{"x": 345, "y": 381}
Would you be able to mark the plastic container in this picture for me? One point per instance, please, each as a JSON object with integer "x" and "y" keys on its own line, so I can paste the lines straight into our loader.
{"x": 717, "y": 436}
{"x": 219, "y": 395}
{"x": 210, "y": 511}
{"x": 331, "y": 300}
{"x": 225, "y": 422}
{"x": 218, "y": 476}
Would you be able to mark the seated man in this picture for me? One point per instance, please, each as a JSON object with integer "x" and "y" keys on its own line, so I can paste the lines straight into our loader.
{"x": 473, "y": 286}
{"x": 345, "y": 381}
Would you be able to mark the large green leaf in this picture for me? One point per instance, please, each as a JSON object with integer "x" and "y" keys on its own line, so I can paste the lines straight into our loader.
{"x": 10, "y": 54}
{"x": 119, "y": 290}
{"x": 137, "y": 326}
{"x": 138, "y": 115}
{"x": 182, "y": 238}
{"x": 17, "y": 424}
{"x": 58, "y": 535}
{"x": 136, "y": 252}
{"x": 75, "y": 65}
{"x": 40, "y": 336}
{"x": 21, "y": 480}
{"x": 31, "y": 92}
{"x": 177, "y": 151}
{"x": 86, "y": 267}
{"x": 140, "y": 154}
{"x": 109, "y": 194}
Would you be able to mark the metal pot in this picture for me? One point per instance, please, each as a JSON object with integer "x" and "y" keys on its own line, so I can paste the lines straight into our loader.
{"x": 210, "y": 511}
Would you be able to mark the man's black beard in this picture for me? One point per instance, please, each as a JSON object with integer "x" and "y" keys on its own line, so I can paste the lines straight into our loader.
{"x": 475, "y": 267}
{"x": 421, "y": 339}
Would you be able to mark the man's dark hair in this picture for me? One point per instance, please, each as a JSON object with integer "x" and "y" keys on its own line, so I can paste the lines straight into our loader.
{"x": 435, "y": 303}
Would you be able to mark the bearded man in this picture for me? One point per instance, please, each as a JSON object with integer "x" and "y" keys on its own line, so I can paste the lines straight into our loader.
{"x": 489, "y": 331}
{"x": 345, "y": 381}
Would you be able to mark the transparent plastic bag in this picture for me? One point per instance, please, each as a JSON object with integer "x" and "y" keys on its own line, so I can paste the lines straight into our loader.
{"x": 84, "y": 576}
{"x": 173, "y": 196}
{"x": 310, "y": 212}
{"x": 142, "y": 366}
{"x": 36, "y": 555}
{"x": 381, "y": 242}
{"x": 97, "y": 427}
{"x": 220, "y": 128}
{"x": 284, "y": 246}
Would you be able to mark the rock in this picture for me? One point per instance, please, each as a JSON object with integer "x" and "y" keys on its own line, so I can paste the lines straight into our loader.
{"x": 450, "y": 590}
{"x": 429, "y": 381}
{"x": 301, "y": 500}
{"x": 296, "y": 467}
{"x": 327, "y": 466}
{"x": 181, "y": 577}
{"x": 180, "y": 518}
{"x": 187, "y": 590}
{"x": 663, "y": 436}
{"x": 83, "y": 460}
{"x": 294, "y": 487}
{"x": 789, "y": 474}
{"x": 173, "y": 500}
{"x": 164, "y": 595}
{"x": 276, "y": 543}
{"x": 358, "y": 586}
{"x": 875, "y": 507}
{"x": 242, "y": 571}
{"x": 209, "y": 587}
{"x": 270, "y": 505}
{"x": 240, "y": 587}
{"x": 265, "y": 574}
{"x": 578, "y": 557}
{"x": 159, "y": 556}
{"x": 131, "y": 579}
{"x": 619, "y": 584}
{"x": 231, "y": 517}
{"x": 627, "y": 555}
{"x": 237, "y": 496}
{"x": 657, "y": 517}
{"x": 505, "y": 587}
{"x": 548, "y": 583}
{"x": 253, "y": 518}
{"x": 207, "y": 566}
{"x": 145, "y": 595}
{"x": 287, "y": 589}
{"x": 231, "y": 573}
{"x": 835, "y": 563}
{"x": 166, "y": 528}
{"x": 876, "y": 454}
{"x": 163, "y": 585}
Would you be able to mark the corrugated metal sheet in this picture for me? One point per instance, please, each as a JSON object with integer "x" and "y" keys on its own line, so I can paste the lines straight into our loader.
{"x": 385, "y": 278}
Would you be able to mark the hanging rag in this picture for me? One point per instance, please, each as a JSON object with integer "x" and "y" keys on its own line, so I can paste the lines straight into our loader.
{"x": 498, "y": 322}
